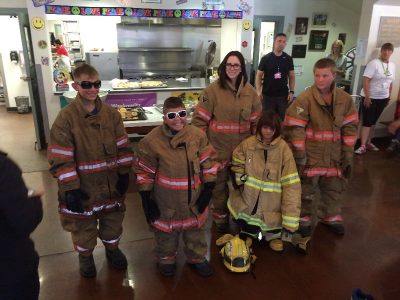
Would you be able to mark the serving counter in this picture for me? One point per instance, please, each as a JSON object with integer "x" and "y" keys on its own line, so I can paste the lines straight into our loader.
{"x": 193, "y": 84}
{"x": 157, "y": 96}
{"x": 141, "y": 127}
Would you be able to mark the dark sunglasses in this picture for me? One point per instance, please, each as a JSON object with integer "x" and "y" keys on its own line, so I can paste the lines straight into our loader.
{"x": 172, "y": 115}
{"x": 86, "y": 85}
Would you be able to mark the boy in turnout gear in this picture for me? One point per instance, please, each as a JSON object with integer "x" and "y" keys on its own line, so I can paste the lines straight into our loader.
{"x": 90, "y": 155}
{"x": 176, "y": 173}
{"x": 269, "y": 194}
{"x": 228, "y": 111}
{"x": 321, "y": 127}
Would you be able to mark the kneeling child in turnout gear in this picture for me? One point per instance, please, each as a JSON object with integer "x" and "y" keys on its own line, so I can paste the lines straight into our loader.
{"x": 268, "y": 198}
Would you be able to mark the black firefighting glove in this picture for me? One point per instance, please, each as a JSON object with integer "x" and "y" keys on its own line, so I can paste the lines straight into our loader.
{"x": 233, "y": 179}
{"x": 300, "y": 164}
{"x": 74, "y": 200}
{"x": 347, "y": 163}
{"x": 150, "y": 207}
{"x": 205, "y": 196}
{"x": 122, "y": 183}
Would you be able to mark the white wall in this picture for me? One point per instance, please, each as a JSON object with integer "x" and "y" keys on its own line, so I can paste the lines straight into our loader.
{"x": 9, "y": 31}
{"x": 340, "y": 20}
{"x": 13, "y": 4}
{"x": 373, "y": 52}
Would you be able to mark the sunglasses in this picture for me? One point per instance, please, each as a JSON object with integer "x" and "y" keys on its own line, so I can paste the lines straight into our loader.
{"x": 172, "y": 115}
{"x": 86, "y": 85}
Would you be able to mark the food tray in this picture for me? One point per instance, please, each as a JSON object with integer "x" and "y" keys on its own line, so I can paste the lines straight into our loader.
{"x": 152, "y": 84}
{"x": 132, "y": 113}
{"x": 124, "y": 85}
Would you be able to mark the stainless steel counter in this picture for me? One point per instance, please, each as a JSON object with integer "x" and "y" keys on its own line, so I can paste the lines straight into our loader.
{"x": 172, "y": 85}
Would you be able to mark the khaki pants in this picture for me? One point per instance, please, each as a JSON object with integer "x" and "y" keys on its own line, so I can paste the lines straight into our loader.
{"x": 84, "y": 232}
{"x": 330, "y": 191}
{"x": 167, "y": 245}
{"x": 220, "y": 196}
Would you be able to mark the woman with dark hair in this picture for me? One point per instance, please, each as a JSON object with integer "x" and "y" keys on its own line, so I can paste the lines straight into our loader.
{"x": 378, "y": 80}
{"x": 228, "y": 110}
{"x": 270, "y": 192}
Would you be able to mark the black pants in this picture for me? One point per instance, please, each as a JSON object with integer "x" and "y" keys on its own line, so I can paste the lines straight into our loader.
{"x": 371, "y": 114}
{"x": 277, "y": 104}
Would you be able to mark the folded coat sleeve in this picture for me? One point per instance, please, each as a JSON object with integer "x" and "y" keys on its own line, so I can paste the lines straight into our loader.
{"x": 60, "y": 155}
{"x": 208, "y": 164}
{"x": 256, "y": 110}
{"x": 349, "y": 127}
{"x": 296, "y": 120}
{"x": 203, "y": 112}
{"x": 145, "y": 165}
{"x": 238, "y": 162}
{"x": 291, "y": 192}
{"x": 124, "y": 150}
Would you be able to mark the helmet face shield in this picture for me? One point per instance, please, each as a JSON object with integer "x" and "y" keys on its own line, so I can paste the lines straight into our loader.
{"x": 236, "y": 255}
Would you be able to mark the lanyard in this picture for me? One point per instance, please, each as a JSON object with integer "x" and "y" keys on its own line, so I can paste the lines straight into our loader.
{"x": 386, "y": 71}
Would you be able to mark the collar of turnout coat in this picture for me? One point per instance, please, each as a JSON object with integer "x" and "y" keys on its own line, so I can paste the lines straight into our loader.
{"x": 81, "y": 106}
{"x": 179, "y": 138}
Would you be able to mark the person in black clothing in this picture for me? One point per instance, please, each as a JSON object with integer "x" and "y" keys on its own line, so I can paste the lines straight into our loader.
{"x": 20, "y": 213}
{"x": 274, "y": 72}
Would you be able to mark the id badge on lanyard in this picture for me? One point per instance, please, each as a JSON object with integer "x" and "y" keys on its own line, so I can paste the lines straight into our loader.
{"x": 278, "y": 75}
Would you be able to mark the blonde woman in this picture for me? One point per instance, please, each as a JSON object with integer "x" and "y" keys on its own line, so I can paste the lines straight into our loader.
{"x": 340, "y": 60}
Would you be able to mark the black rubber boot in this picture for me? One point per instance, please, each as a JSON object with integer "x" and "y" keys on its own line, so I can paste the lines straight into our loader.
{"x": 336, "y": 228}
{"x": 117, "y": 259}
{"x": 222, "y": 227}
{"x": 167, "y": 270}
{"x": 87, "y": 268}
{"x": 204, "y": 268}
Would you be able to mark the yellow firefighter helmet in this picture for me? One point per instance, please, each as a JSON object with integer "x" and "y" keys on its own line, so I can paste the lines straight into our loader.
{"x": 236, "y": 253}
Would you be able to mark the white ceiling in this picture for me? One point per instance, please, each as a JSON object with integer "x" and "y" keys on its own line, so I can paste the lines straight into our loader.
{"x": 388, "y": 2}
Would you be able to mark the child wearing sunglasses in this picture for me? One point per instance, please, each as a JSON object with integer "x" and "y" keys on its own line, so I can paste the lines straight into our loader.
{"x": 90, "y": 155}
{"x": 176, "y": 171}
{"x": 268, "y": 201}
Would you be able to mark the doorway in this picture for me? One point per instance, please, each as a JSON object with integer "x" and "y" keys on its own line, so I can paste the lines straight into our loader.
{"x": 17, "y": 68}
{"x": 265, "y": 28}
{"x": 18, "y": 74}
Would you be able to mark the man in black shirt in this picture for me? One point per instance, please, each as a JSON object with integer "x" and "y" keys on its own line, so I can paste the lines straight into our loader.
{"x": 274, "y": 72}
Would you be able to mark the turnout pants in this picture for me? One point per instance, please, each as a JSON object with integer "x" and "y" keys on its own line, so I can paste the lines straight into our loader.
{"x": 220, "y": 196}
{"x": 167, "y": 245}
{"x": 330, "y": 192}
{"x": 84, "y": 231}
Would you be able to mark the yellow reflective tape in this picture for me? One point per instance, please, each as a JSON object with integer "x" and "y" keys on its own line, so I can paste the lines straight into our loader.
{"x": 234, "y": 159}
{"x": 290, "y": 175}
{"x": 291, "y": 182}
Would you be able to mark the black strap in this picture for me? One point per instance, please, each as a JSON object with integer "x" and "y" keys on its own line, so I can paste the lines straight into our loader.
{"x": 188, "y": 172}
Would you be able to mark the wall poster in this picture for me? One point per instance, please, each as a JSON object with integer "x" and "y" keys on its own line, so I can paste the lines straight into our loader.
{"x": 318, "y": 40}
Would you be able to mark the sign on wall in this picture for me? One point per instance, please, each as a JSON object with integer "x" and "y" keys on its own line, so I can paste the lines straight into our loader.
{"x": 389, "y": 31}
{"x": 143, "y": 12}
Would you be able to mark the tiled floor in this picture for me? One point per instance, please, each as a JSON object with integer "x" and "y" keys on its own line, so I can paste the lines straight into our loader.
{"x": 367, "y": 256}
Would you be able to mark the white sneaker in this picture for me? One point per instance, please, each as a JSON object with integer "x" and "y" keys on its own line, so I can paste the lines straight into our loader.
{"x": 361, "y": 150}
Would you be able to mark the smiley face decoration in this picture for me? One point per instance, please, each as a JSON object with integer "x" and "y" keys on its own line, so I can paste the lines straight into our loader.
{"x": 37, "y": 23}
